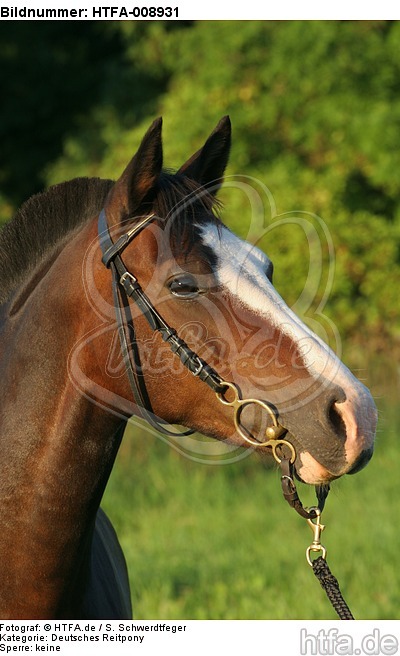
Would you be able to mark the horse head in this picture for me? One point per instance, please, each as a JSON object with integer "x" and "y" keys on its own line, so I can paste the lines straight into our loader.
{"x": 216, "y": 291}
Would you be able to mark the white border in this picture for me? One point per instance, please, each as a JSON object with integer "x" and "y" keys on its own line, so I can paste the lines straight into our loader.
{"x": 207, "y": 10}
{"x": 180, "y": 638}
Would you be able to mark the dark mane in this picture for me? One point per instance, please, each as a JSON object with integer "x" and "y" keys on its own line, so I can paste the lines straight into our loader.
{"x": 41, "y": 222}
{"x": 47, "y": 217}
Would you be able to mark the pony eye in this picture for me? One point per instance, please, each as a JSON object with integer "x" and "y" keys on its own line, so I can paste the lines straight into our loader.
{"x": 184, "y": 286}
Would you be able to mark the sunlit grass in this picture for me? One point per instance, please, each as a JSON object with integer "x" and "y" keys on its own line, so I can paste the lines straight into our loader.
{"x": 220, "y": 542}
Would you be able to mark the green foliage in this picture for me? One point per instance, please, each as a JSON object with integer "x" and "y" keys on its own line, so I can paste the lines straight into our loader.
{"x": 50, "y": 76}
{"x": 315, "y": 108}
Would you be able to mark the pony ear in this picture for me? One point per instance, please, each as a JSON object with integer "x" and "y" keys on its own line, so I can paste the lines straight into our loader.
{"x": 207, "y": 166}
{"x": 133, "y": 189}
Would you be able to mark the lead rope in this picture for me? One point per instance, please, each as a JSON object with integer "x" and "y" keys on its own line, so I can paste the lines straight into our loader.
{"x": 331, "y": 586}
{"x": 319, "y": 565}
{"x": 285, "y": 455}
{"x": 313, "y": 516}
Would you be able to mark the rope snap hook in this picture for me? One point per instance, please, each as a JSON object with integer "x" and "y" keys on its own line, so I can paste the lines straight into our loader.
{"x": 317, "y": 528}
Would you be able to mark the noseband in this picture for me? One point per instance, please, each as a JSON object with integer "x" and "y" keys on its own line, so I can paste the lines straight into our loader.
{"x": 125, "y": 286}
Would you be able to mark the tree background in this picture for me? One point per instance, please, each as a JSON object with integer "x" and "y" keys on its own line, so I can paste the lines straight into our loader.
{"x": 315, "y": 108}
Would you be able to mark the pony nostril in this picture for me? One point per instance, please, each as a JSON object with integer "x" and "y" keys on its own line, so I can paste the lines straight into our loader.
{"x": 362, "y": 460}
{"x": 336, "y": 420}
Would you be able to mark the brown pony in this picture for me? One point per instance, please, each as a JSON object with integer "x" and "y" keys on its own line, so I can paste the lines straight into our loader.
{"x": 64, "y": 407}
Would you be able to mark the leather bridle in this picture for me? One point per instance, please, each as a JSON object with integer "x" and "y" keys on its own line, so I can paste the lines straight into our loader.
{"x": 125, "y": 286}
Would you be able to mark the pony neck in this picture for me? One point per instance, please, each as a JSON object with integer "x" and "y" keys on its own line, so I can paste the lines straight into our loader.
{"x": 56, "y": 446}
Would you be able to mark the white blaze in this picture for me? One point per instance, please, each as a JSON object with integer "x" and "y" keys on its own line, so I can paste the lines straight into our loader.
{"x": 242, "y": 272}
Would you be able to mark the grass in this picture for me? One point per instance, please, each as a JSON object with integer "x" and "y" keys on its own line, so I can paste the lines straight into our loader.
{"x": 220, "y": 542}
